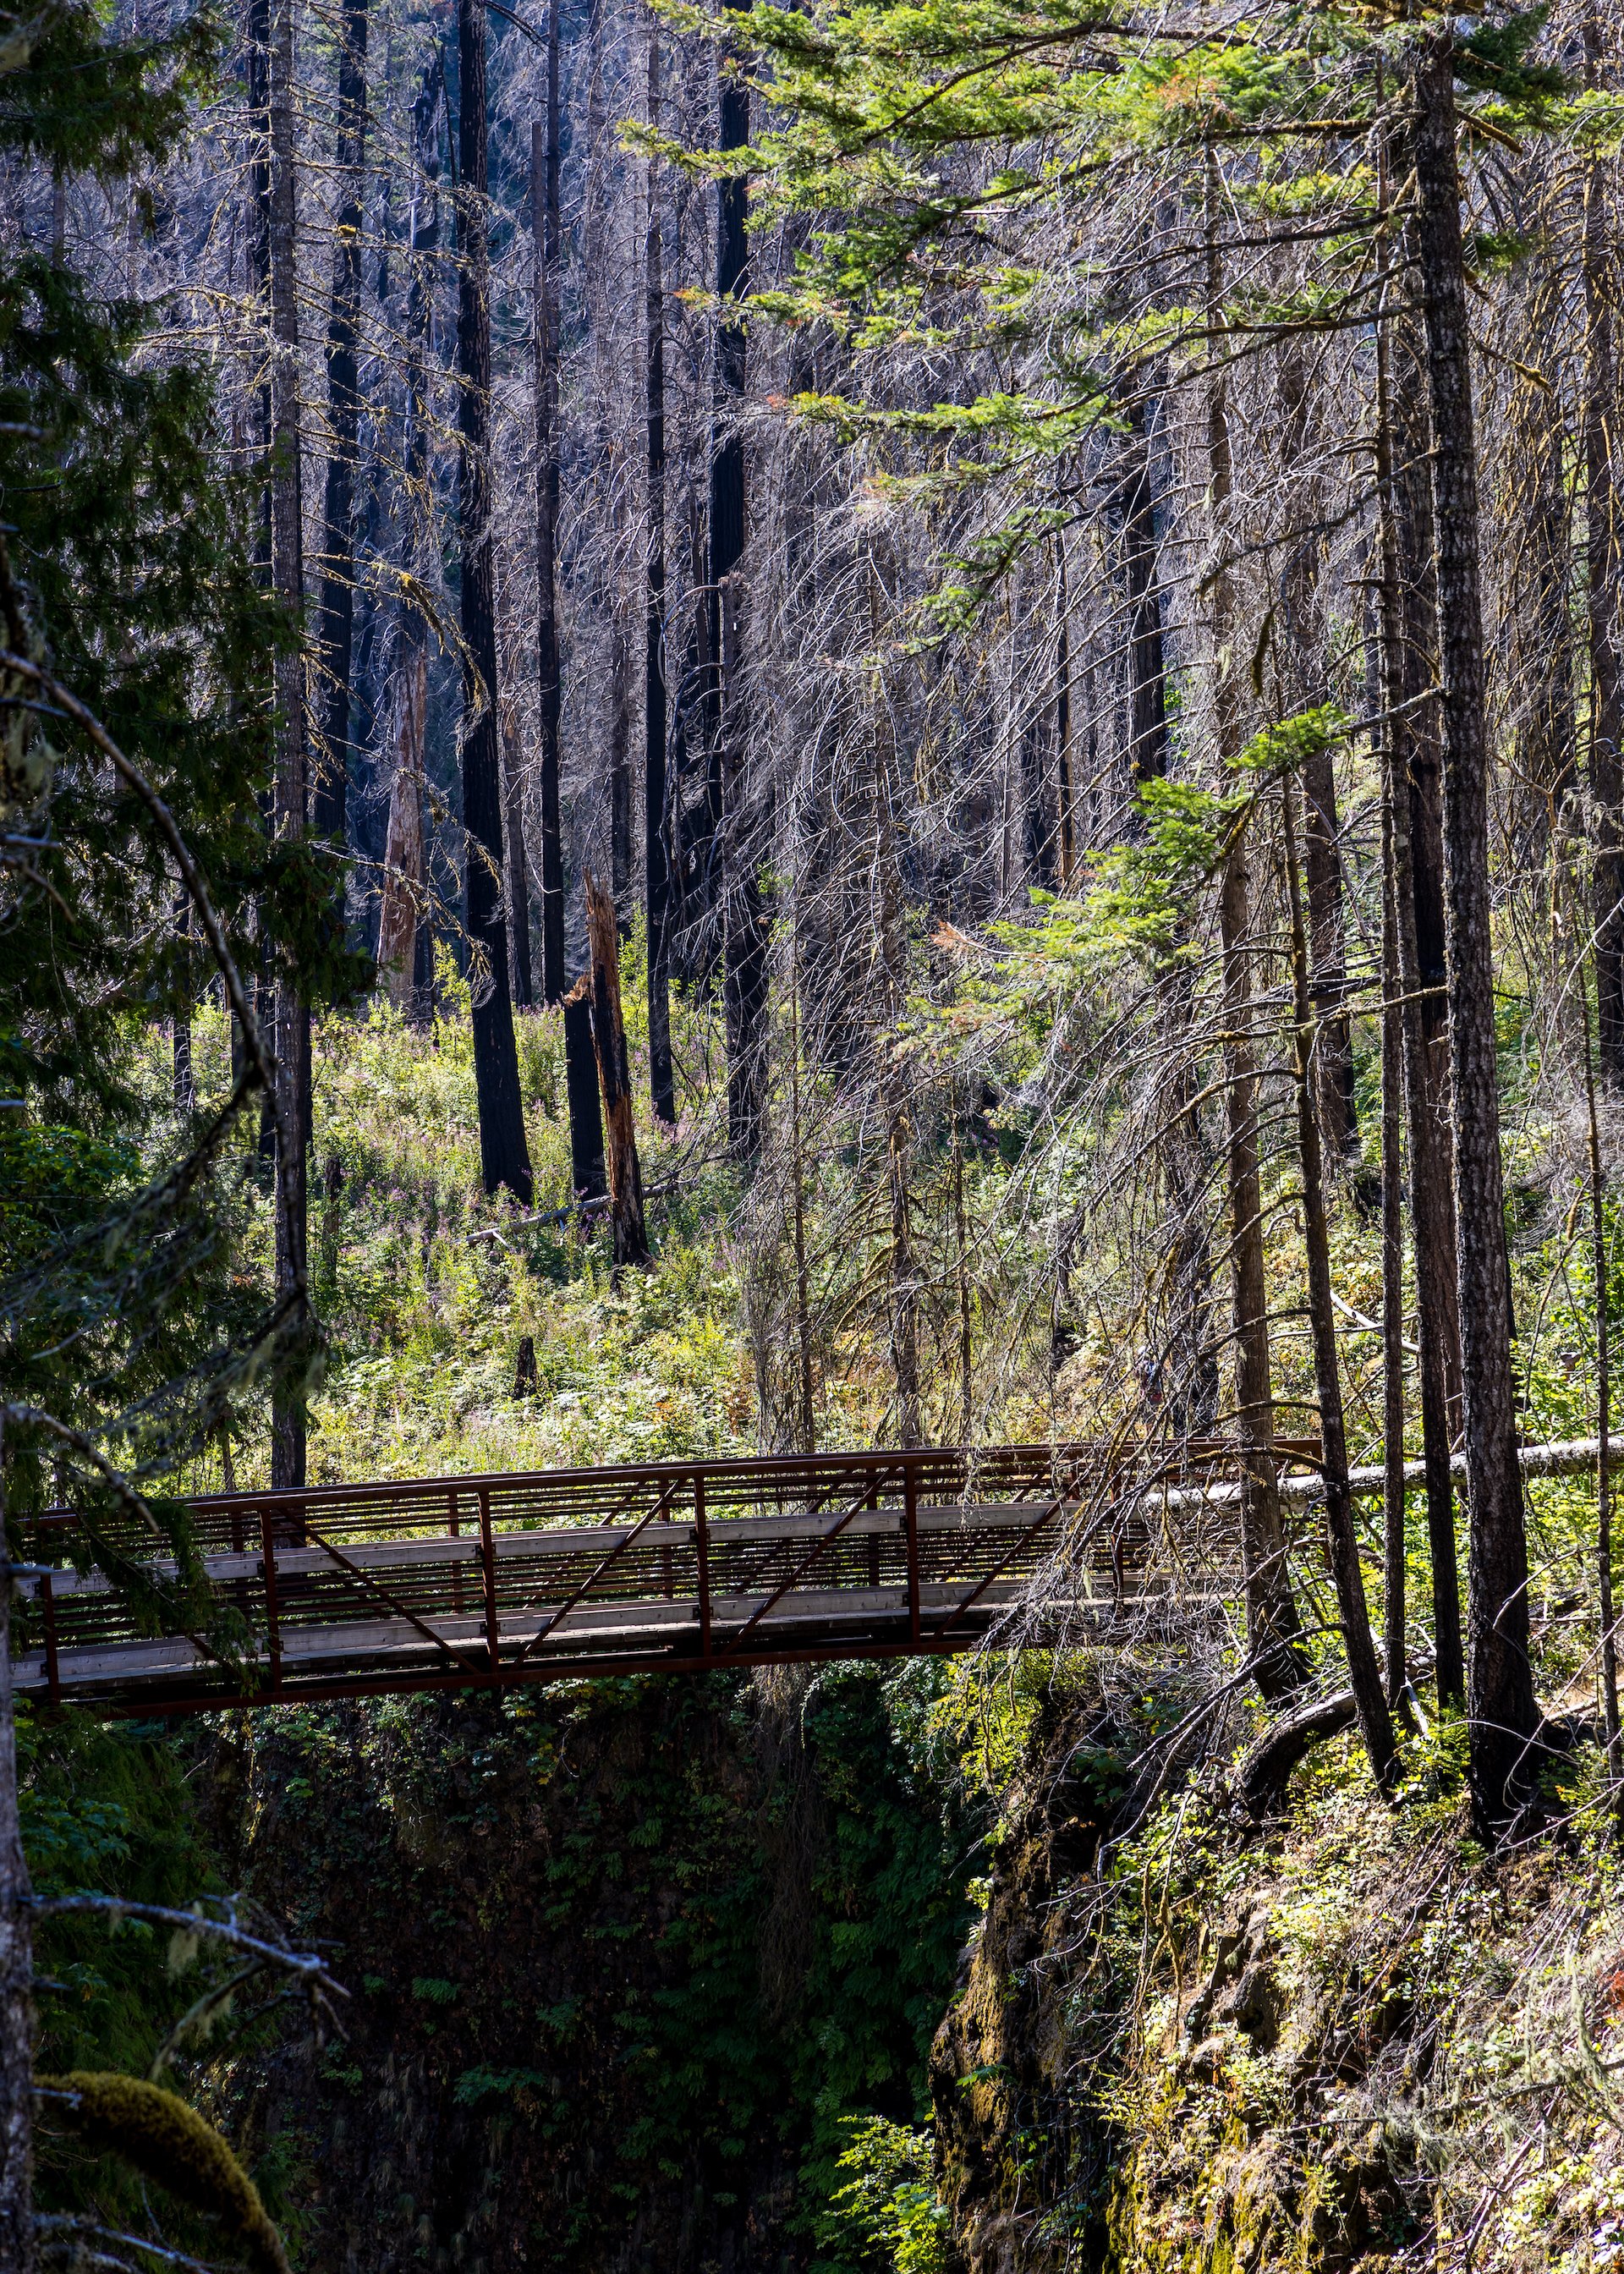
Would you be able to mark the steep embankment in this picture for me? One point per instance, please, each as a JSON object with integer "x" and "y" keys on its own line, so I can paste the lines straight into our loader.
{"x": 1343, "y": 2038}
{"x": 625, "y": 1957}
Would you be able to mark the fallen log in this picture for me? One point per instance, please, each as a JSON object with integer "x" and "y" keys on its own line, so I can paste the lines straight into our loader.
{"x": 1574, "y": 1457}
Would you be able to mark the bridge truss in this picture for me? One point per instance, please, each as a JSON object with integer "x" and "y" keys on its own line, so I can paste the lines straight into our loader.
{"x": 491, "y": 1581}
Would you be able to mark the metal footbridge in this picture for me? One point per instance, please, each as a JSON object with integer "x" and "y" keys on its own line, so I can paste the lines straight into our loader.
{"x": 489, "y": 1581}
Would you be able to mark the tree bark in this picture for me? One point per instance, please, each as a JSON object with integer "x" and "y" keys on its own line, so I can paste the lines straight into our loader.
{"x": 292, "y": 765}
{"x": 620, "y": 776}
{"x": 335, "y": 644}
{"x": 1502, "y": 1713}
{"x": 1273, "y": 1632}
{"x": 1393, "y": 1570}
{"x": 1604, "y": 566}
{"x": 1341, "y": 1534}
{"x": 1408, "y": 758}
{"x": 504, "y": 1151}
{"x": 586, "y": 1132}
{"x": 1407, "y": 591}
{"x": 518, "y": 876}
{"x": 734, "y": 854}
{"x": 1063, "y": 713}
{"x": 655, "y": 796}
{"x": 404, "y": 875}
{"x": 1304, "y": 670}
{"x": 1135, "y": 505}
{"x": 631, "y": 1239}
{"x": 1599, "y": 1263}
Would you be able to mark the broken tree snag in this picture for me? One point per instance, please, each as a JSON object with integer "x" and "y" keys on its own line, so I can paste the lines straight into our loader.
{"x": 631, "y": 1239}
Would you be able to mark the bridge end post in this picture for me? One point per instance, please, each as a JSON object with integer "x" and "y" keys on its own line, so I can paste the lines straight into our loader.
{"x": 701, "y": 1550}
{"x": 47, "y": 1620}
{"x": 273, "y": 1629}
{"x": 487, "y": 1559}
{"x": 910, "y": 1524}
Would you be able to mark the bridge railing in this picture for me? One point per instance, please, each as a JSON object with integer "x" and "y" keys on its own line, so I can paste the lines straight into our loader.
{"x": 510, "y": 1576}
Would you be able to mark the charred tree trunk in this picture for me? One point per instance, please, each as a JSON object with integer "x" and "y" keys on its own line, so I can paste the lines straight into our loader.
{"x": 1502, "y": 1714}
{"x": 292, "y": 777}
{"x": 1408, "y": 600}
{"x": 656, "y": 842}
{"x": 504, "y": 1151}
{"x": 330, "y": 800}
{"x": 1342, "y": 1535}
{"x": 518, "y": 876}
{"x": 631, "y": 1239}
{"x": 734, "y": 854}
{"x": 586, "y": 1131}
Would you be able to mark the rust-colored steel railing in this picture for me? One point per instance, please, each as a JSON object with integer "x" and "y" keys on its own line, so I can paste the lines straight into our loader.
{"x": 339, "y": 1590}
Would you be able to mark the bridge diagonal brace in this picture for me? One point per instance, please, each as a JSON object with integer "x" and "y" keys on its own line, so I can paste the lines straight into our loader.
{"x": 940, "y": 1626}
{"x": 856, "y": 1509}
{"x": 588, "y": 1584}
{"x": 400, "y": 1610}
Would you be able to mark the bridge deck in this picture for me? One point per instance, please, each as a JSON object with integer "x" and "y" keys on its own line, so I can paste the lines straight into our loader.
{"x": 500, "y": 1580}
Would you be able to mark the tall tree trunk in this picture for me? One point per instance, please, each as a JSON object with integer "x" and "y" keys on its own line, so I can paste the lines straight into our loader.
{"x": 1135, "y": 505}
{"x": 1274, "y": 1632}
{"x": 885, "y": 790}
{"x": 586, "y": 1131}
{"x": 1407, "y": 589}
{"x": 292, "y": 780}
{"x": 732, "y": 816}
{"x": 656, "y": 795}
{"x": 406, "y": 931}
{"x": 962, "y": 1260}
{"x": 1062, "y": 712}
{"x": 1604, "y": 569}
{"x": 619, "y": 775}
{"x": 1503, "y": 1716}
{"x": 1600, "y": 1266}
{"x": 504, "y": 1151}
{"x": 330, "y": 798}
{"x": 16, "y": 2242}
{"x": 803, "y": 1279}
{"x": 1393, "y": 1569}
{"x": 1305, "y": 674}
{"x": 1192, "y": 1390}
{"x": 1341, "y": 1534}
{"x": 631, "y": 1239}
{"x": 404, "y": 870}
{"x": 518, "y": 875}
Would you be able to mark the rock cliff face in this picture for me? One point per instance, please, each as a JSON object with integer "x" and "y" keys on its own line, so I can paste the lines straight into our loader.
{"x": 1342, "y": 2039}
{"x": 621, "y": 1954}
{"x": 1022, "y": 2161}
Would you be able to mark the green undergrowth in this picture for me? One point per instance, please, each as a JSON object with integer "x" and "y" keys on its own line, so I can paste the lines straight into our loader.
{"x": 1359, "y": 2039}
{"x": 426, "y": 1289}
